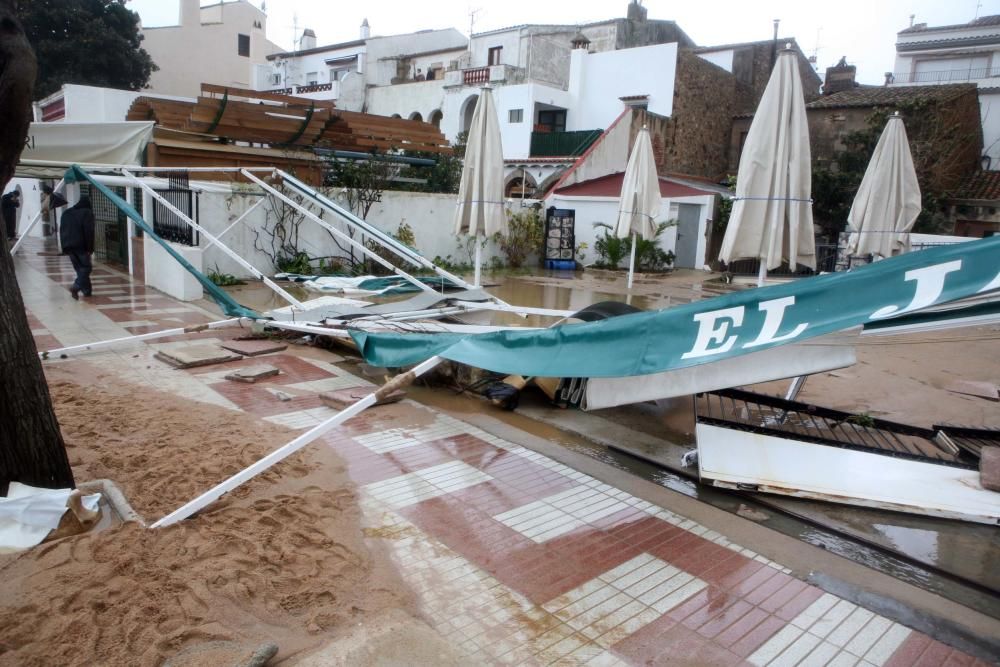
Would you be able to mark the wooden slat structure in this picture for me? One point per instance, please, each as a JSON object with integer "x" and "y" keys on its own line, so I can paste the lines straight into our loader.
{"x": 277, "y": 120}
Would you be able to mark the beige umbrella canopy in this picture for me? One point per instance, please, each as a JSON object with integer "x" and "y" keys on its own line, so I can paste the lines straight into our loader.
{"x": 888, "y": 200}
{"x": 772, "y": 218}
{"x": 480, "y": 209}
{"x": 640, "y": 198}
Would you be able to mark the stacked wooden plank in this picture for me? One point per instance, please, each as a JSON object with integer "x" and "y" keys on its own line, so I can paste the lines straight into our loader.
{"x": 349, "y": 130}
{"x": 274, "y": 119}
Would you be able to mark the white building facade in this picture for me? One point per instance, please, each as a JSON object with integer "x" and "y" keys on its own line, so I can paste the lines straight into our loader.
{"x": 969, "y": 52}
{"x": 223, "y": 43}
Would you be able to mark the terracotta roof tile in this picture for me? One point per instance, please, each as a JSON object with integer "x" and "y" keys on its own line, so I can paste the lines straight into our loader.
{"x": 865, "y": 96}
{"x": 611, "y": 186}
{"x": 981, "y": 185}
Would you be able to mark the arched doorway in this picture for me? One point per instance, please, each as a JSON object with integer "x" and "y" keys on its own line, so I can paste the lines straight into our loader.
{"x": 520, "y": 186}
{"x": 416, "y": 116}
{"x": 468, "y": 108}
{"x": 396, "y": 115}
{"x": 435, "y": 118}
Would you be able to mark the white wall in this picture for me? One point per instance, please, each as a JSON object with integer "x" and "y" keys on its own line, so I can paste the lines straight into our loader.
{"x": 429, "y": 215}
{"x": 605, "y": 209}
{"x": 510, "y": 40}
{"x": 607, "y": 76}
{"x": 989, "y": 110}
{"x": 164, "y": 273}
{"x": 90, "y": 104}
{"x": 723, "y": 59}
{"x": 203, "y": 49}
{"x": 405, "y": 98}
{"x": 31, "y": 204}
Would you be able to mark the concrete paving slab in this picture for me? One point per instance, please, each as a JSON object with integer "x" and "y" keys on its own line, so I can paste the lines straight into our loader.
{"x": 196, "y": 355}
{"x": 254, "y": 347}
{"x": 251, "y": 374}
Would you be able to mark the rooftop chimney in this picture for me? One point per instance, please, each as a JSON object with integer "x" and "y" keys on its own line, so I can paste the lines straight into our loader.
{"x": 839, "y": 77}
{"x": 636, "y": 12}
{"x": 366, "y": 30}
{"x": 308, "y": 39}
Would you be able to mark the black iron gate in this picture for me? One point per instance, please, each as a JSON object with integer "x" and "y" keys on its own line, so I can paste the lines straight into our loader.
{"x": 110, "y": 226}
{"x": 166, "y": 223}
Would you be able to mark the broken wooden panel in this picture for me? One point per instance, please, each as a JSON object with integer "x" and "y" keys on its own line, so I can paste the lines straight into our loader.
{"x": 196, "y": 355}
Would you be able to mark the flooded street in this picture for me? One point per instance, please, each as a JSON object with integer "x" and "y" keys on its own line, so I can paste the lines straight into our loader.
{"x": 901, "y": 378}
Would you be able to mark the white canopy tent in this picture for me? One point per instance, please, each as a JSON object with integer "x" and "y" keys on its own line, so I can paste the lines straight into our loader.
{"x": 772, "y": 218}
{"x": 640, "y": 199}
{"x": 888, "y": 200}
{"x": 480, "y": 208}
{"x": 51, "y": 147}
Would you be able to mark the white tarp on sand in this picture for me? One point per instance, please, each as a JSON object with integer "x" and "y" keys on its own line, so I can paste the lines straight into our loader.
{"x": 28, "y": 514}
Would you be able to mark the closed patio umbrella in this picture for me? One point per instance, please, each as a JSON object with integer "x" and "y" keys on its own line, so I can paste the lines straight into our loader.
{"x": 640, "y": 197}
{"x": 888, "y": 200}
{"x": 480, "y": 209}
{"x": 772, "y": 218}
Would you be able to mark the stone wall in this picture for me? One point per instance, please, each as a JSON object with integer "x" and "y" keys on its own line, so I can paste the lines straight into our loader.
{"x": 752, "y": 64}
{"x": 693, "y": 140}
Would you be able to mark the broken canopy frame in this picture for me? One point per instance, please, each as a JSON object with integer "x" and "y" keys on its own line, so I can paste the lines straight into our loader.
{"x": 228, "y": 305}
{"x": 753, "y": 442}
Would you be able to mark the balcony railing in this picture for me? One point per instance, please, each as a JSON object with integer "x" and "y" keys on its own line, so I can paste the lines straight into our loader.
{"x": 333, "y": 88}
{"x": 562, "y": 144}
{"x": 476, "y": 76}
{"x": 947, "y": 75}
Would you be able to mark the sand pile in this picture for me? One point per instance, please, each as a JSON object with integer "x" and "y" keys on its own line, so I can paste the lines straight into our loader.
{"x": 281, "y": 559}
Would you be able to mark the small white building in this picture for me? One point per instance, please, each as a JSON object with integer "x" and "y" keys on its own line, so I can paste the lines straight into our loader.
{"x": 596, "y": 201}
{"x": 967, "y": 52}
{"x": 223, "y": 43}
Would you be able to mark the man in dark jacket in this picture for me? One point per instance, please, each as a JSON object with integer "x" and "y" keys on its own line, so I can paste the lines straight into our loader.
{"x": 11, "y": 201}
{"x": 77, "y": 236}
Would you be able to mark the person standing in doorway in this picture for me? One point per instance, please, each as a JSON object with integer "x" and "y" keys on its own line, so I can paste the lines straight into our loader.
{"x": 77, "y": 236}
{"x": 11, "y": 202}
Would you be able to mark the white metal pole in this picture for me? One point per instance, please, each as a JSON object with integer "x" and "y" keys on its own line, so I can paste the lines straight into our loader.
{"x": 130, "y": 230}
{"x": 339, "y": 234}
{"x": 46, "y": 354}
{"x": 631, "y": 260}
{"x": 239, "y": 260}
{"x": 235, "y": 222}
{"x": 34, "y": 221}
{"x": 479, "y": 263}
{"x": 401, "y": 251}
{"x": 295, "y": 445}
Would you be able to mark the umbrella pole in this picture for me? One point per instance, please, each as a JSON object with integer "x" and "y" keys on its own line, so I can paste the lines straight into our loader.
{"x": 762, "y": 274}
{"x": 631, "y": 259}
{"x": 479, "y": 264}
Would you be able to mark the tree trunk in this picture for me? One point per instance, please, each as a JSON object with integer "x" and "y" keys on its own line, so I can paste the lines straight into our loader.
{"x": 31, "y": 446}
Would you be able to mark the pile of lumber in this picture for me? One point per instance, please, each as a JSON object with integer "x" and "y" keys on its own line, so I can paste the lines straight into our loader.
{"x": 273, "y": 119}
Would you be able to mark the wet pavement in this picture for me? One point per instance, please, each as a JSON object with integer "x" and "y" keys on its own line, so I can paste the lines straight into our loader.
{"x": 520, "y": 550}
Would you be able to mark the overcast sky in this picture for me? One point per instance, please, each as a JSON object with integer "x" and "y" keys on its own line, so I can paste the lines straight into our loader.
{"x": 863, "y": 30}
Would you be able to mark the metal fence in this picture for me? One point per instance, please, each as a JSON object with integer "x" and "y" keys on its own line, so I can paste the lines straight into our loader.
{"x": 826, "y": 261}
{"x": 166, "y": 223}
{"x": 110, "y": 226}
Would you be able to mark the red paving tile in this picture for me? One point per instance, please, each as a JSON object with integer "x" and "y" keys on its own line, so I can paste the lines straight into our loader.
{"x": 741, "y": 626}
{"x": 644, "y": 645}
{"x": 909, "y": 651}
{"x": 784, "y": 595}
{"x": 799, "y": 603}
{"x": 681, "y": 647}
{"x": 756, "y": 637}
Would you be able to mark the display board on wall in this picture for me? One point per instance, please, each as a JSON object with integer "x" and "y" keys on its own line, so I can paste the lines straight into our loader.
{"x": 560, "y": 238}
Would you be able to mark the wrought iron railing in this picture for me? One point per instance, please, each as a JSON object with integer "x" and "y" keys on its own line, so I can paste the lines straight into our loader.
{"x": 826, "y": 261}
{"x": 110, "y": 226}
{"x": 560, "y": 144}
{"x": 947, "y": 75}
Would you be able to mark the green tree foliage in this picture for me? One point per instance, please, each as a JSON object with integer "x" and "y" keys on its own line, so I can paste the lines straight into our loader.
{"x": 524, "y": 236}
{"x": 92, "y": 42}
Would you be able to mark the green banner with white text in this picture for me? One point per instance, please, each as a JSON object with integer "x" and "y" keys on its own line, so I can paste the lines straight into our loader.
{"x": 713, "y": 329}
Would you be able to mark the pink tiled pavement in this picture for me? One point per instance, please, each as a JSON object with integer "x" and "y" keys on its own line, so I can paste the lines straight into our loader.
{"x": 611, "y": 579}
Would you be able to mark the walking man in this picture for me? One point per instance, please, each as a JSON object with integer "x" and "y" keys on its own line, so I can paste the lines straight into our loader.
{"x": 77, "y": 236}
{"x": 11, "y": 201}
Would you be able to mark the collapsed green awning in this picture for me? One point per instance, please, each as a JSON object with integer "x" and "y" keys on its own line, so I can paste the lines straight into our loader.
{"x": 713, "y": 329}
